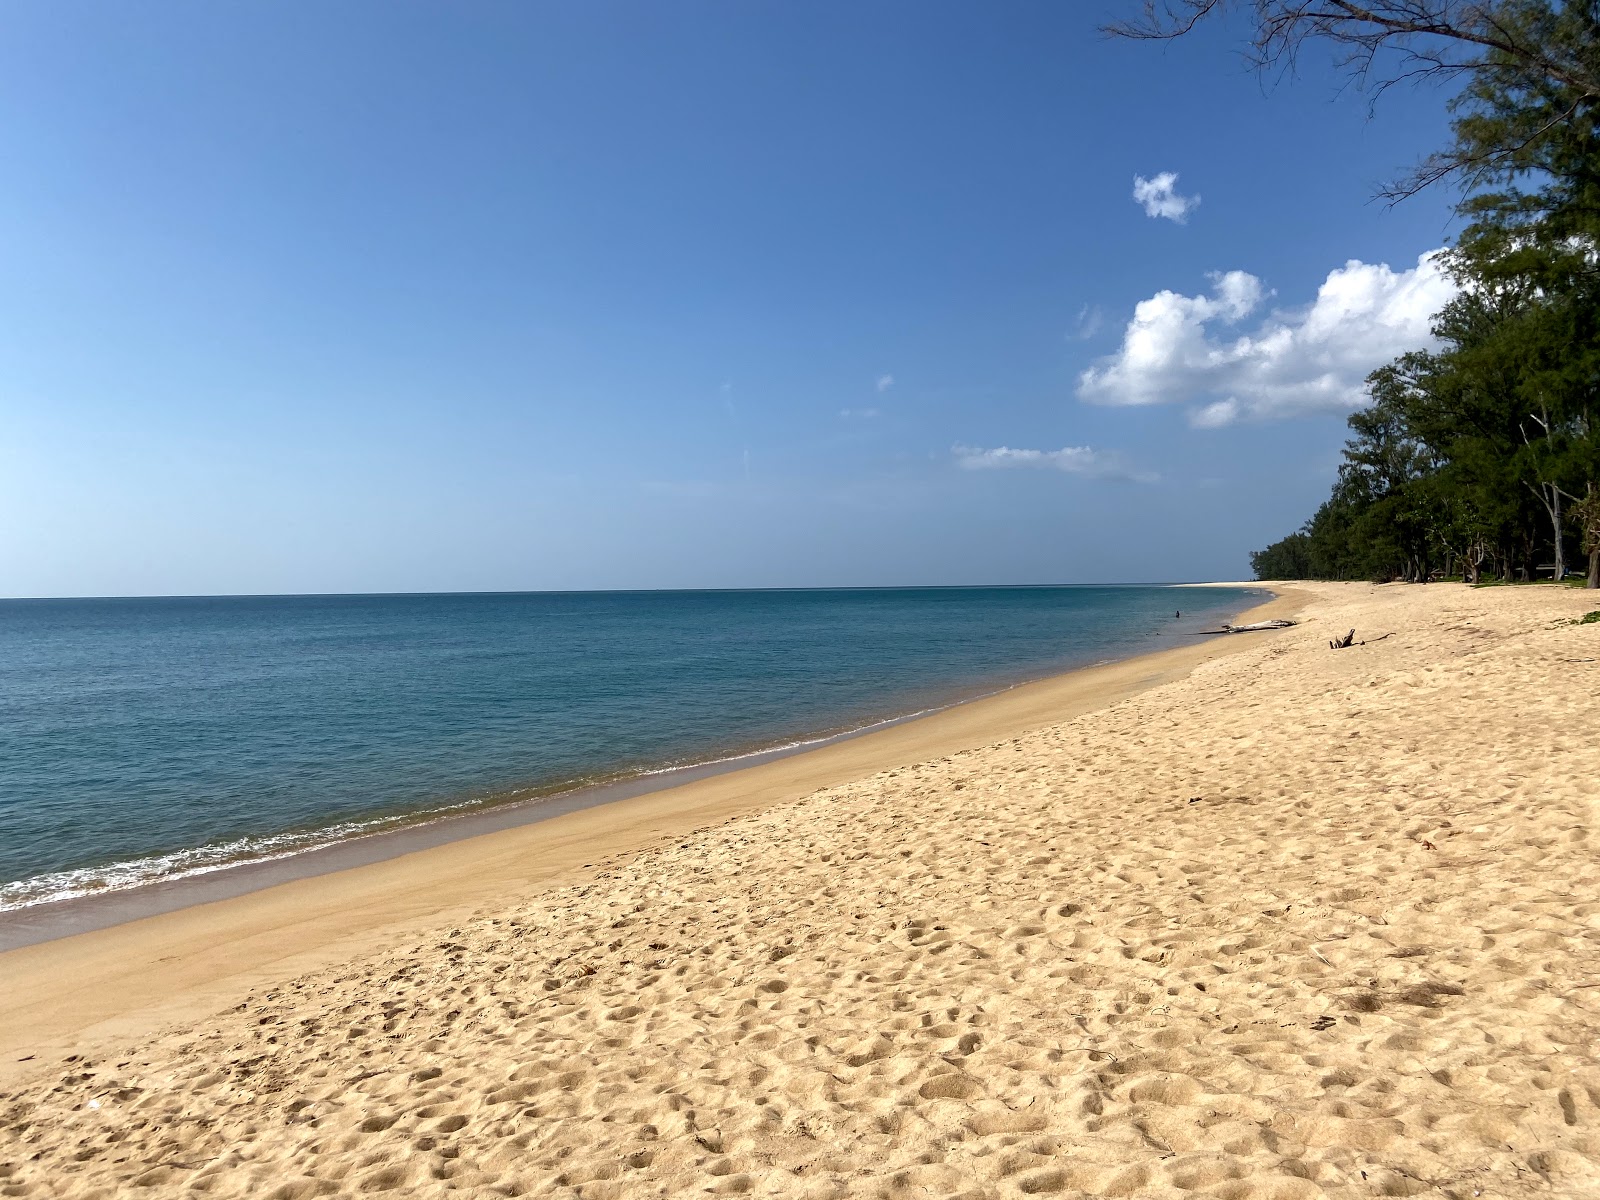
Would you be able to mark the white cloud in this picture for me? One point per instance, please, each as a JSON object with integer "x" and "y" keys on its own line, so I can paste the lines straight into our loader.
{"x": 1177, "y": 349}
{"x": 1159, "y": 197}
{"x": 885, "y": 382}
{"x": 858, "y": 414}
{"x": 1090, "y": 321}
{"x": 1075, "y": 460}
{"x": 1215, "y": 416}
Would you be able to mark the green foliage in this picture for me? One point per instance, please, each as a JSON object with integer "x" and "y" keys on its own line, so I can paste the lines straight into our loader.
{"x": 1527, "y": 129}
{"x": 1471, "y": 459}
{"x": 1483, "y": 457}
{"x": 1590, "y": 618}
{"x": 1288, "y": 559}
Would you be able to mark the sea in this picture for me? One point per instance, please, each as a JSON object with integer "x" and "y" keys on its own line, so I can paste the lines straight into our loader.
{"x": 148, "y": 740}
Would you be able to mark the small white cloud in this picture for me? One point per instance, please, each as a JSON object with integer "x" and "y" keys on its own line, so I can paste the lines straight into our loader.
{"x": 1312, "y": 359}
{"x": 1159, "y": 197}
{"x": 1215, "y": 416}
{"x": 1090, "y": 322}
{"x": 858, "y": 414}
{"x": 1075, "y": 460}
{"x": 885, "y": 382}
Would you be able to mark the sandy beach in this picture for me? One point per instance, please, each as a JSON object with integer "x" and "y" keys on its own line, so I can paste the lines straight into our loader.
{"x": 1248, "y": 919}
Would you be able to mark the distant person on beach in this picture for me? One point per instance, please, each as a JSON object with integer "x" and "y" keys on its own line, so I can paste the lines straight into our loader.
{"x": 1178, "y": 616}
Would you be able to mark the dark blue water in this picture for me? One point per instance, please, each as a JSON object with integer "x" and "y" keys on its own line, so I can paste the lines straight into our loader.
{"x": 145, "y": 739}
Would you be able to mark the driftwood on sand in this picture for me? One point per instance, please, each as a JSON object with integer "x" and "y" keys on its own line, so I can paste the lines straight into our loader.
{"x": 1349, "y": 640}
{"x": 1252, "y": 628}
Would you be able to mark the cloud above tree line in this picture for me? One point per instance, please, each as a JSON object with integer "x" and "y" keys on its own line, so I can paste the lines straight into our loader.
{"x": 1159, "y": 197}
{"x": 1074, "y": 460}
{"x": 1181, "y": 349}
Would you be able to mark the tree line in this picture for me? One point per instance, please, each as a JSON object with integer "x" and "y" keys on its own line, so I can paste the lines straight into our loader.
{"x": 1480, "y": 458}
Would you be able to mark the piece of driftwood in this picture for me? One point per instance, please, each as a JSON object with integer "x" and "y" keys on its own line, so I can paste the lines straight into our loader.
{"x": 1257, "y": 627}
{"x": 1349, "y": 639}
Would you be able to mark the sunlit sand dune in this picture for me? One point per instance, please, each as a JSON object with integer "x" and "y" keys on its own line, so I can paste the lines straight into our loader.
{"x": 1304, "y": 922}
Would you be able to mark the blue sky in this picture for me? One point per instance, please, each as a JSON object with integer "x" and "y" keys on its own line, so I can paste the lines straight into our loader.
{"x": 401, "y": 296}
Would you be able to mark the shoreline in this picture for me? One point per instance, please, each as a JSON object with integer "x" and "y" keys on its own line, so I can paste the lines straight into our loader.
{"x": 1247, "y": 919}
{"x": 325, "y": 850}
{"x": 60, "y": 995}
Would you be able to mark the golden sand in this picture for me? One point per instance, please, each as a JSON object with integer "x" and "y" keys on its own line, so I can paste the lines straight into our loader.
{"x": 1254, "y": 920}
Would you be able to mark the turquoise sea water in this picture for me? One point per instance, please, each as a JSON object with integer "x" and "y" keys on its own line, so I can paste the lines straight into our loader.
{"x": 146, "y": 739}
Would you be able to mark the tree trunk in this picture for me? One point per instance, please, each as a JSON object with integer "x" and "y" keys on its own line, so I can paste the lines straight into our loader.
{"x": 1550, "y": 496}
{"x": 1555, "y": 521}
{"x": 1588, "y": 514}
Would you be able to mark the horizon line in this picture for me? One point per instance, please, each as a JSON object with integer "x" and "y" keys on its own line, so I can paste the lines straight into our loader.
{"x": 869, "y": 587}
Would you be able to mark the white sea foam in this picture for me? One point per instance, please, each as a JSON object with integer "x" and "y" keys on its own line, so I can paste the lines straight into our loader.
{"x": 179, "y": 864}
{"x": 57, "y": 886}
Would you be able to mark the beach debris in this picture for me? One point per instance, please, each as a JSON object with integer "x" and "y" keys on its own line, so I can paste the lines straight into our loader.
{"x": 1254, "y": 627}
{"x": 1349, "y": 639}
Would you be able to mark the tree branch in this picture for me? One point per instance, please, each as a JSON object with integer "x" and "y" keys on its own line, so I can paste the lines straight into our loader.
{"x": 1366, "y": 29}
